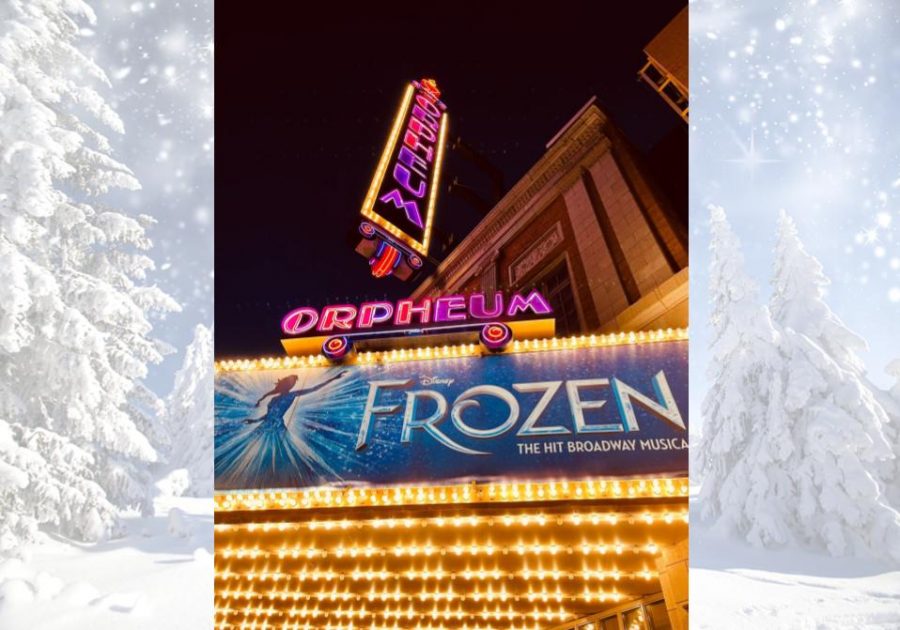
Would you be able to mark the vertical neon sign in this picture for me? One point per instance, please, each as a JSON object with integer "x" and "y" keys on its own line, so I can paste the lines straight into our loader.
{"x": 398, "y": 210}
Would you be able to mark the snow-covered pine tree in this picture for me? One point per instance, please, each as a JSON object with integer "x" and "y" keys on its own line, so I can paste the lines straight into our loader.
{"x": 75, "y": 308}
{"x": 842, "y": 459}
{"x": 190, "y": 414}
{"x": 797, "y": 301}
{"x": 740, "y": 409}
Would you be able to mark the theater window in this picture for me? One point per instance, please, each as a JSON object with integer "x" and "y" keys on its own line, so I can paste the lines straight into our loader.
{"x": 556, "y": 285}
{"x": 668, "y": 88}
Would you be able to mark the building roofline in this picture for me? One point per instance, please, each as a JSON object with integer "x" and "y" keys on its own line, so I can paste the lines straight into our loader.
{"x": 570, "y": 122}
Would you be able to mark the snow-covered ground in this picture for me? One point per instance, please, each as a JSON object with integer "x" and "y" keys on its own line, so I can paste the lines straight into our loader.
{"x": 160, "y": 575}
{"x": 736, "y": 586}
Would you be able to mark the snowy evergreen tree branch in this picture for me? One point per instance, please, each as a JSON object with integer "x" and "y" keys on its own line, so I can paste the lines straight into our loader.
{"x": 78, "y": 431}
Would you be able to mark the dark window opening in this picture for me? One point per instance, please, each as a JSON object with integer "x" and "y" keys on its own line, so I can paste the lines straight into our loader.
{"x": 653, "y": 74}
{"x": 676, "y": 96}
{"x": 556, "y": 286}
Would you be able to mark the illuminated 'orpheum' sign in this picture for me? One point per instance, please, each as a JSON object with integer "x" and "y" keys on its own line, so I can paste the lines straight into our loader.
{"x": 334, "y": 329}
{"x": 398, "y": 210}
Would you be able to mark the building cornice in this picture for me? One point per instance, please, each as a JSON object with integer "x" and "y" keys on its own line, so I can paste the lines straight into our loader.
{"x": 578, "y": 139}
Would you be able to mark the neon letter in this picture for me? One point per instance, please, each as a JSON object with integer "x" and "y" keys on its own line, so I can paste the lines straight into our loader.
{"x": 535, "y": 301}
{"x": 372, "y": 410}
{"x": 444, "y": 307}
{"x": 476, "y": 306}
{"x": 371, "y": 313}
{"x": 666, "y": 409}
{"x": 411, "y": 208}
{"x": 528, "y": 429}
{"x": 413, "y": 161}
{"x": 340, "y": 316}
{"x": 423, "y": 130}
{"x": 402, "y": 176}
{"x": 299, "y": 320}
{"x": 413, "y": 142}
{"x": 405, "y": 311}
{"x": 464, "y": 401}
{"x": 428, "y": 105}
{"x": 425, "y": 117}
{"x": 410, "y": 423}
{"x": 578, "y": 406}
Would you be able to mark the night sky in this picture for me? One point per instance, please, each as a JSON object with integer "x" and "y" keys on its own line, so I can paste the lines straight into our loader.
{"x": 304, "y": 101}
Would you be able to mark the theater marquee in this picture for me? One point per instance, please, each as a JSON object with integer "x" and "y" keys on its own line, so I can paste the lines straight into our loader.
{"x": 582, "y": 412}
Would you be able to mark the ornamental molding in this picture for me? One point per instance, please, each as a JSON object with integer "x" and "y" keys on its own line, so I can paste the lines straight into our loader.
{"x": 529, "y": 259}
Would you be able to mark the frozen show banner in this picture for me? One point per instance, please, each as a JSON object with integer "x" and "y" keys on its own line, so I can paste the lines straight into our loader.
{"x": 610, "y": 411}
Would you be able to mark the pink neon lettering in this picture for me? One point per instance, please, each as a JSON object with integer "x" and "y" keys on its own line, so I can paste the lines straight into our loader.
{"x": 340, "y": 316}
{"x": 418, "y": 127}
{"x": 412, "y": 161}
{"x": 299, "y": 320}
{"x": 402, "y": 176}
{"x": 428, "y": 105}
{"x": 411, "y": 208}
{"x": 371, "y": 313}
{"x": 477, "y": 306}
{"x": 414, "y": 142}
{"x": 444, "y": 308}
{"x": 535, "y": 301}
{"x": 425, "y": 117}
{"x": 405, "y": 311}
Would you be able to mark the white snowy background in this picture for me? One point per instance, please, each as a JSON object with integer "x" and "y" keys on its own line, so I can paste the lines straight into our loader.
{"x": 105, "y": 437}
{"x": 794, "y": 107}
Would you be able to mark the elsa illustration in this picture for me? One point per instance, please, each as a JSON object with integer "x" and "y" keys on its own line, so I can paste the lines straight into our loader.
{"x": 272, "y": 453}
{"x": 284, "y": 397}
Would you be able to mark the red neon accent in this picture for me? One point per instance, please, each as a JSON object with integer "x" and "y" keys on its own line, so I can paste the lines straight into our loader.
{"x": 430, "y": 86}
{"x": 384, "y": 265}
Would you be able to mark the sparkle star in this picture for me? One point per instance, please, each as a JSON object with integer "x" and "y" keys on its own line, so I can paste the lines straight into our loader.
{"x": 750, "y": 158}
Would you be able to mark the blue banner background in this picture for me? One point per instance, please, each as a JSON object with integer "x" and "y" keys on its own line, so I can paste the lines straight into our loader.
{"x": 305, "y": 433}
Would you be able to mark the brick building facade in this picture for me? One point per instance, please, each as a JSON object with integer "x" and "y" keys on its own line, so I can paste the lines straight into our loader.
{"x": 588, "y": 227}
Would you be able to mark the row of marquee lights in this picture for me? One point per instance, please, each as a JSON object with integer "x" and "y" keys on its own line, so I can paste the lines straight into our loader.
{"x": 503, "y": 492}
{"x": 458, "y": 350}
{"x": 472, "y": 520}
{"x": 426, "y": 551}
{"x": 259, "y": 617}
{"x": 396, "y": 595}
{"x": 481, "y": 574}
